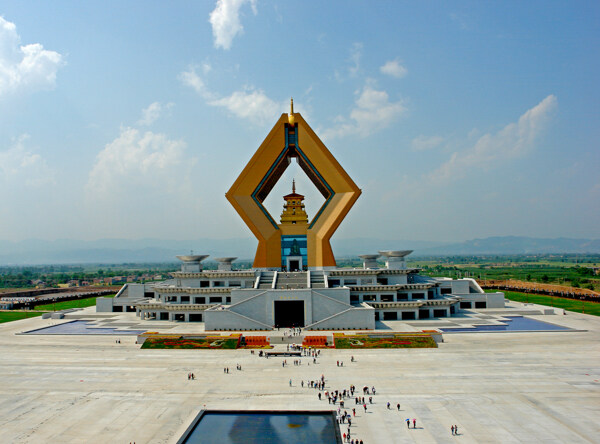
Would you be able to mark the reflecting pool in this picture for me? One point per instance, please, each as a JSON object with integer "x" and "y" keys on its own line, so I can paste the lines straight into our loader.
{"x": 512, "y": 323}
{"x": 81, "y": 328}
{"x": 264, "y": 427}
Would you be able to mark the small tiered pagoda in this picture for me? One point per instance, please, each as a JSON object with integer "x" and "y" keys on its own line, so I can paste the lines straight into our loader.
{"x": 293, "y": 208}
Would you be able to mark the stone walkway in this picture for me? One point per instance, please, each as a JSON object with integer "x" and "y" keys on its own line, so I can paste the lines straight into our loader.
{"x": 497, "y": 387}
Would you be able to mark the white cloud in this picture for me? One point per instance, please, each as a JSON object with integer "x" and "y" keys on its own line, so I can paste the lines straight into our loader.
{"x": 193, "y": 80}
{"x": 25, "y": 68}
{"x": 153, "y": 113}
{"x": 252, "y": 104}
{"x": 423, "y": 143}
{"x": 394, "y": 68}
{"x": 225, "y": 21}
{"x": 514, "y": 140}
{"x": 19, "y": 166}
{"x": 372, "y": 112}
{"x": 249, "y": 103}
{"x": 137, "y": 164}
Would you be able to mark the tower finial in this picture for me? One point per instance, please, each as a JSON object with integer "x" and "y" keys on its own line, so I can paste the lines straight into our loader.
{"x": 291, "y": 119}
{"x": 293, "y": 185}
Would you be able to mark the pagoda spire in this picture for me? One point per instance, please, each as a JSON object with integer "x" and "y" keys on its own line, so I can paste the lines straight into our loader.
{"x": 293, "y": 185}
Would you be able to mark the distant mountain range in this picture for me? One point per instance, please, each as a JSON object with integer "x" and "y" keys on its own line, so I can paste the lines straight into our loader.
{"x": 66, "y": 251}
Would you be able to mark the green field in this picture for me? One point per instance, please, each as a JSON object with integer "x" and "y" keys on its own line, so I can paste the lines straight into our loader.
{"x": 578, "y": 306}
{"x": 8, "y": 316}
{"x": 77, "y": 303}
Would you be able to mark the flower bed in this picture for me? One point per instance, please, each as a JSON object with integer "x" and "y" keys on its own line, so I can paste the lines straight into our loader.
{"x": 315, "y": 342}
{"x": 208, "y": 342}
{"x": 256, "y": 342}
{"x": 395, "y": 341}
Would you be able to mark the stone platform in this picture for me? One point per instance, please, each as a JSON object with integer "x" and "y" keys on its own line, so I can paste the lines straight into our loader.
{"x": 497, "y": 387}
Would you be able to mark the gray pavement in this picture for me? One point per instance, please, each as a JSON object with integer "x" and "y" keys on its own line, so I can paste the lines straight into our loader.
{"x": 497, "y": 387}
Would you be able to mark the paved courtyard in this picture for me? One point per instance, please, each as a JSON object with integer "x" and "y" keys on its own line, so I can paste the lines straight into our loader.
{"x": 497, "y": 387}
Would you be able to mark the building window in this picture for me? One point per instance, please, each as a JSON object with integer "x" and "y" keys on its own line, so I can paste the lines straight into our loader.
{"x": 235, "y": 284}
{"x": 382, "y": 281}
{"x": 480, "y": 304}
{"x": 446, "y": 290}
{"x": 402, "y": 296}
{"x": 228, "y": 300}
{"x": 387, "y": 298}
{"x": 216, "y": 300}
{"x": 195, "y": 317}
{"x": 349, "y": 281}
{"x": 204, "y": 284}
{"x": 354, "y": 299}
{"x": 390, "y": 315}
{"x": 218, "y": 284}
{"x": 185, "y": 299}
{"x": 439, "y": 313}
{"x": 200, "y": 300}
{"x": 334, "y": 283}
{"x": 369, "y": 297}
{"x": 408, "y": 315}
{"x": 418, "y": 296}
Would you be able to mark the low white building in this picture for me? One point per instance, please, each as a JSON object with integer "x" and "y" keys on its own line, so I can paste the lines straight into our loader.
{"x": 336, "y": 299}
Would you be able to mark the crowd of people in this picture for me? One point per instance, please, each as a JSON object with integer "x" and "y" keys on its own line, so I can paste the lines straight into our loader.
{"x": 345, "y": 416}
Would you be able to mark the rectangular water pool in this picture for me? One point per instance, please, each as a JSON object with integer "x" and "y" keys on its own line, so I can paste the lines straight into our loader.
{"x": 513, "y": 323}
{"x": 262, "y": 427}
{"x": 81, "y": 328}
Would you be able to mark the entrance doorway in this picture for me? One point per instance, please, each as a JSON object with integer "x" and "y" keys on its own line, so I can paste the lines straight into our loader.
{"x": 289, "y": 314}
{"x": 294, "y": 265}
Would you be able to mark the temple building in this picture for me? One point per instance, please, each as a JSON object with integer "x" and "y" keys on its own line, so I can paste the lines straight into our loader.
{"x": 295, "y": 280}
{"x": 294, "y": 222}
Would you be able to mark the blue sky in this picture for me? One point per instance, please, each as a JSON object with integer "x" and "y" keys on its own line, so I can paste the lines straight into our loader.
{"x": 457, "y": 119}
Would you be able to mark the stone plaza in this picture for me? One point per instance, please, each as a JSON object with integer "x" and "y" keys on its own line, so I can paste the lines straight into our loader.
{"x": 500, "y": 387}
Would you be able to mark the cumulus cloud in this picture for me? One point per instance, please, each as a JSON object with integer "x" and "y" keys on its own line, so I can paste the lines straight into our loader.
{"x": 423, "y": 143}
{"x": 193, "y": 80}
{"x": 372, "y": 112}
{"x": 153, "y": 113}
{"x": 225, "y": 21}
{"x": 514, "y": 140}
{"x": 137, "y": 163}
{"x": 25, "y": 68}
{"x": 20, "y": 166}
{"x": 394, "y": 68}
{"x": 249, "y": 103}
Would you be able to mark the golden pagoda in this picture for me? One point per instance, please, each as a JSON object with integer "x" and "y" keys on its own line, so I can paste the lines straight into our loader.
{"x": 293, "y": 208}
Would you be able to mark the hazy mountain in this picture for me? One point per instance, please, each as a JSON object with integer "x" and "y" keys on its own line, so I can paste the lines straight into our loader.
{"x": 35, "y": 251}
{"x": 516, "y": 245}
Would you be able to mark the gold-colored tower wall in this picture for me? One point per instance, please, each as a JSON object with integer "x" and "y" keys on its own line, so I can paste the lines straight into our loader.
{"x": 342, "y": 194}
